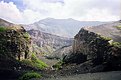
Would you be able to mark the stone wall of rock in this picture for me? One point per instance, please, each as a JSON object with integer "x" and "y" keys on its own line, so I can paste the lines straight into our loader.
{"x": 15, "y": 43}
{"x": 97, "y": 49}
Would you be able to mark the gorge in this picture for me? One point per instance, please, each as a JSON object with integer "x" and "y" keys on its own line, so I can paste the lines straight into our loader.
{"x": 94, "y": 49}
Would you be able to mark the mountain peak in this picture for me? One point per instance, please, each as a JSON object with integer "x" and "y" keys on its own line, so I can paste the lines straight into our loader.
{"x": 48, "y": 18}
{"x": 5, "y": 23}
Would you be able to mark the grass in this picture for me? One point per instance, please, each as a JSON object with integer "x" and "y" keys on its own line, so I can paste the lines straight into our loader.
{"x": 30, "y": 75}
{"x": 116, "y": 44}
{"x": 40, "y": 64}
{"x": 106, "y": 38}
{"x": 58, "y": 65}
{"x": 35, "y": 62}
{"x": 2, "y": 29}
{"x": 26, "y": 35}
{"x": 118, "y": 27}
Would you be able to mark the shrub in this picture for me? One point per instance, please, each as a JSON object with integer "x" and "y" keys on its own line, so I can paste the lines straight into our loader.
{"x": 35, "y": 62}
{"x": 30, "y": 75}
{"x": 58, "y": 65}
{"x": 26, "y": 35}
{"x": 116, "y": 44}
{"x": 118, "y": 27}
{"x": 106, "y": 38}
{"x": 2, "y": 29}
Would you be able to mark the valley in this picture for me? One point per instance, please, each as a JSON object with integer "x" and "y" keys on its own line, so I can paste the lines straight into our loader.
{"x": 50, "y": 50}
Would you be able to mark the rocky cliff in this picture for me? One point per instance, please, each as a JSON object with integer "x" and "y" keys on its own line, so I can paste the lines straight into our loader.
{"x": 98, "y": 45}
{"x": 47, "y": 43}
{"x": 15, "y": 44}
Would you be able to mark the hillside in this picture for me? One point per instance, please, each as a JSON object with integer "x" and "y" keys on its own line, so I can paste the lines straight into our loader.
{"x": 61, "y": 27}
{"x": 16, "y": 54}
{"x": 97, "y": 49}
{"x": 111, "y": 30}
{"x": 47, "y": 43}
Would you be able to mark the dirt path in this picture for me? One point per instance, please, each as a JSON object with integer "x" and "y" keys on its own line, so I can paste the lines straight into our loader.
{"x": 116, "y": 75}
{"x": 49, "y": 62}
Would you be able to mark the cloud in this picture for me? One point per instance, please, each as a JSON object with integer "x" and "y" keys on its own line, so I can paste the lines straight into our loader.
{"x": 87, "y": 10}
{"x": 9, "y": 11}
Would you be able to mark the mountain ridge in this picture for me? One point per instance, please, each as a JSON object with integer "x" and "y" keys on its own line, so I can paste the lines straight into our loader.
{"x": 61, "y": 27}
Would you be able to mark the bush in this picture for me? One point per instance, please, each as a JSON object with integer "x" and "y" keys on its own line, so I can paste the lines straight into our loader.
{"x": 30, "y": 75}
{"x": 26, "y": 35}
{"x": 118, "y": 27}
{"x": 2, "y": 29}
{"x": 116, "y": 44}
{"x": 106, "y": 38}
{"x": 58, "y": 65}
{"x": 35, "y": 62}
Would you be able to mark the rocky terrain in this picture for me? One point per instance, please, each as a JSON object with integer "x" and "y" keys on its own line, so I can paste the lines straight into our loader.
{"x": 45, "y": 43}
{"x": 15, "y": 45}
{"x": 15, "y": 42}
{"x": 94, "y": 49}
{"x": 89, "y": 76}
{"x": 92, "y": 52}
{"x": 16, "y": 54}
{"x": 97, "y": 48}
{"x": 61, "y": 53}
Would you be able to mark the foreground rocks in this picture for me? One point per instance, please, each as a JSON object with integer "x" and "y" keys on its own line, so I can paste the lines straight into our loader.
{"x": 15, "y": 45}
{"x": 97, "y": 48}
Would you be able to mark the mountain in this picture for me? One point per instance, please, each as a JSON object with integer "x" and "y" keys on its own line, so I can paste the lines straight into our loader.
{"x": 61, "y": 27}
{"x": 111, "y": 30}
{"x": 47, "y": 43}
{"x": 96, "y": 49}
{"x": 5, "y": 23}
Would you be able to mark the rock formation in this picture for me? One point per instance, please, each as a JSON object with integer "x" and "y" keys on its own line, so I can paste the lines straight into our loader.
{"x": 15, "y": 44}
{"x": 99, "y": 45}
{"x": 47, "y": 43}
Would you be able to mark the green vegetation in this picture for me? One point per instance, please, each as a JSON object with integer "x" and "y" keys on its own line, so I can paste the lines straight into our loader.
{"x": 58, "y": 65}
{"x": 106, "y": 38}
{"x": 118, "y": 27}
{"x": 26, "y": 35}
{"x": 38, "y": 63}
{"x": 116, "y": 44}
{"x": 30, "y": 75}
{"x": 35, "y": 62}
{"x": 2, "y": 29}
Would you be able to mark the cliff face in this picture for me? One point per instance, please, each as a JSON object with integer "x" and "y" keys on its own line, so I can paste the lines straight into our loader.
{"x": 100, "y": 45}
{"x": 47, "y": 43}
{"x": 15, "y": 44}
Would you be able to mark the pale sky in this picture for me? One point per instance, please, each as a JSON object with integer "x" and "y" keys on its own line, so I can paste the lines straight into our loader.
{"x": 29, "y": 11}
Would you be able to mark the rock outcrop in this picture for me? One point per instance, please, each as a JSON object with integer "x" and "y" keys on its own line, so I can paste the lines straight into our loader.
{"x": 61, "y": 53}
{"x": 15, "y": 44}
{"x": 97, "y": 46}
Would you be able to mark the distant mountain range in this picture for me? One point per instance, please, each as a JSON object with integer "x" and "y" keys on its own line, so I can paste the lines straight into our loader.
{"x": 61, "y": 27}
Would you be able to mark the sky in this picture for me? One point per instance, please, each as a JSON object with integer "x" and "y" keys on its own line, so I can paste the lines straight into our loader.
{"x": 29, "y": 11}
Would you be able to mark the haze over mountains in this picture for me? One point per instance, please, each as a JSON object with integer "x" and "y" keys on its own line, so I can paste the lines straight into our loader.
{"x": 61, "y": 27}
